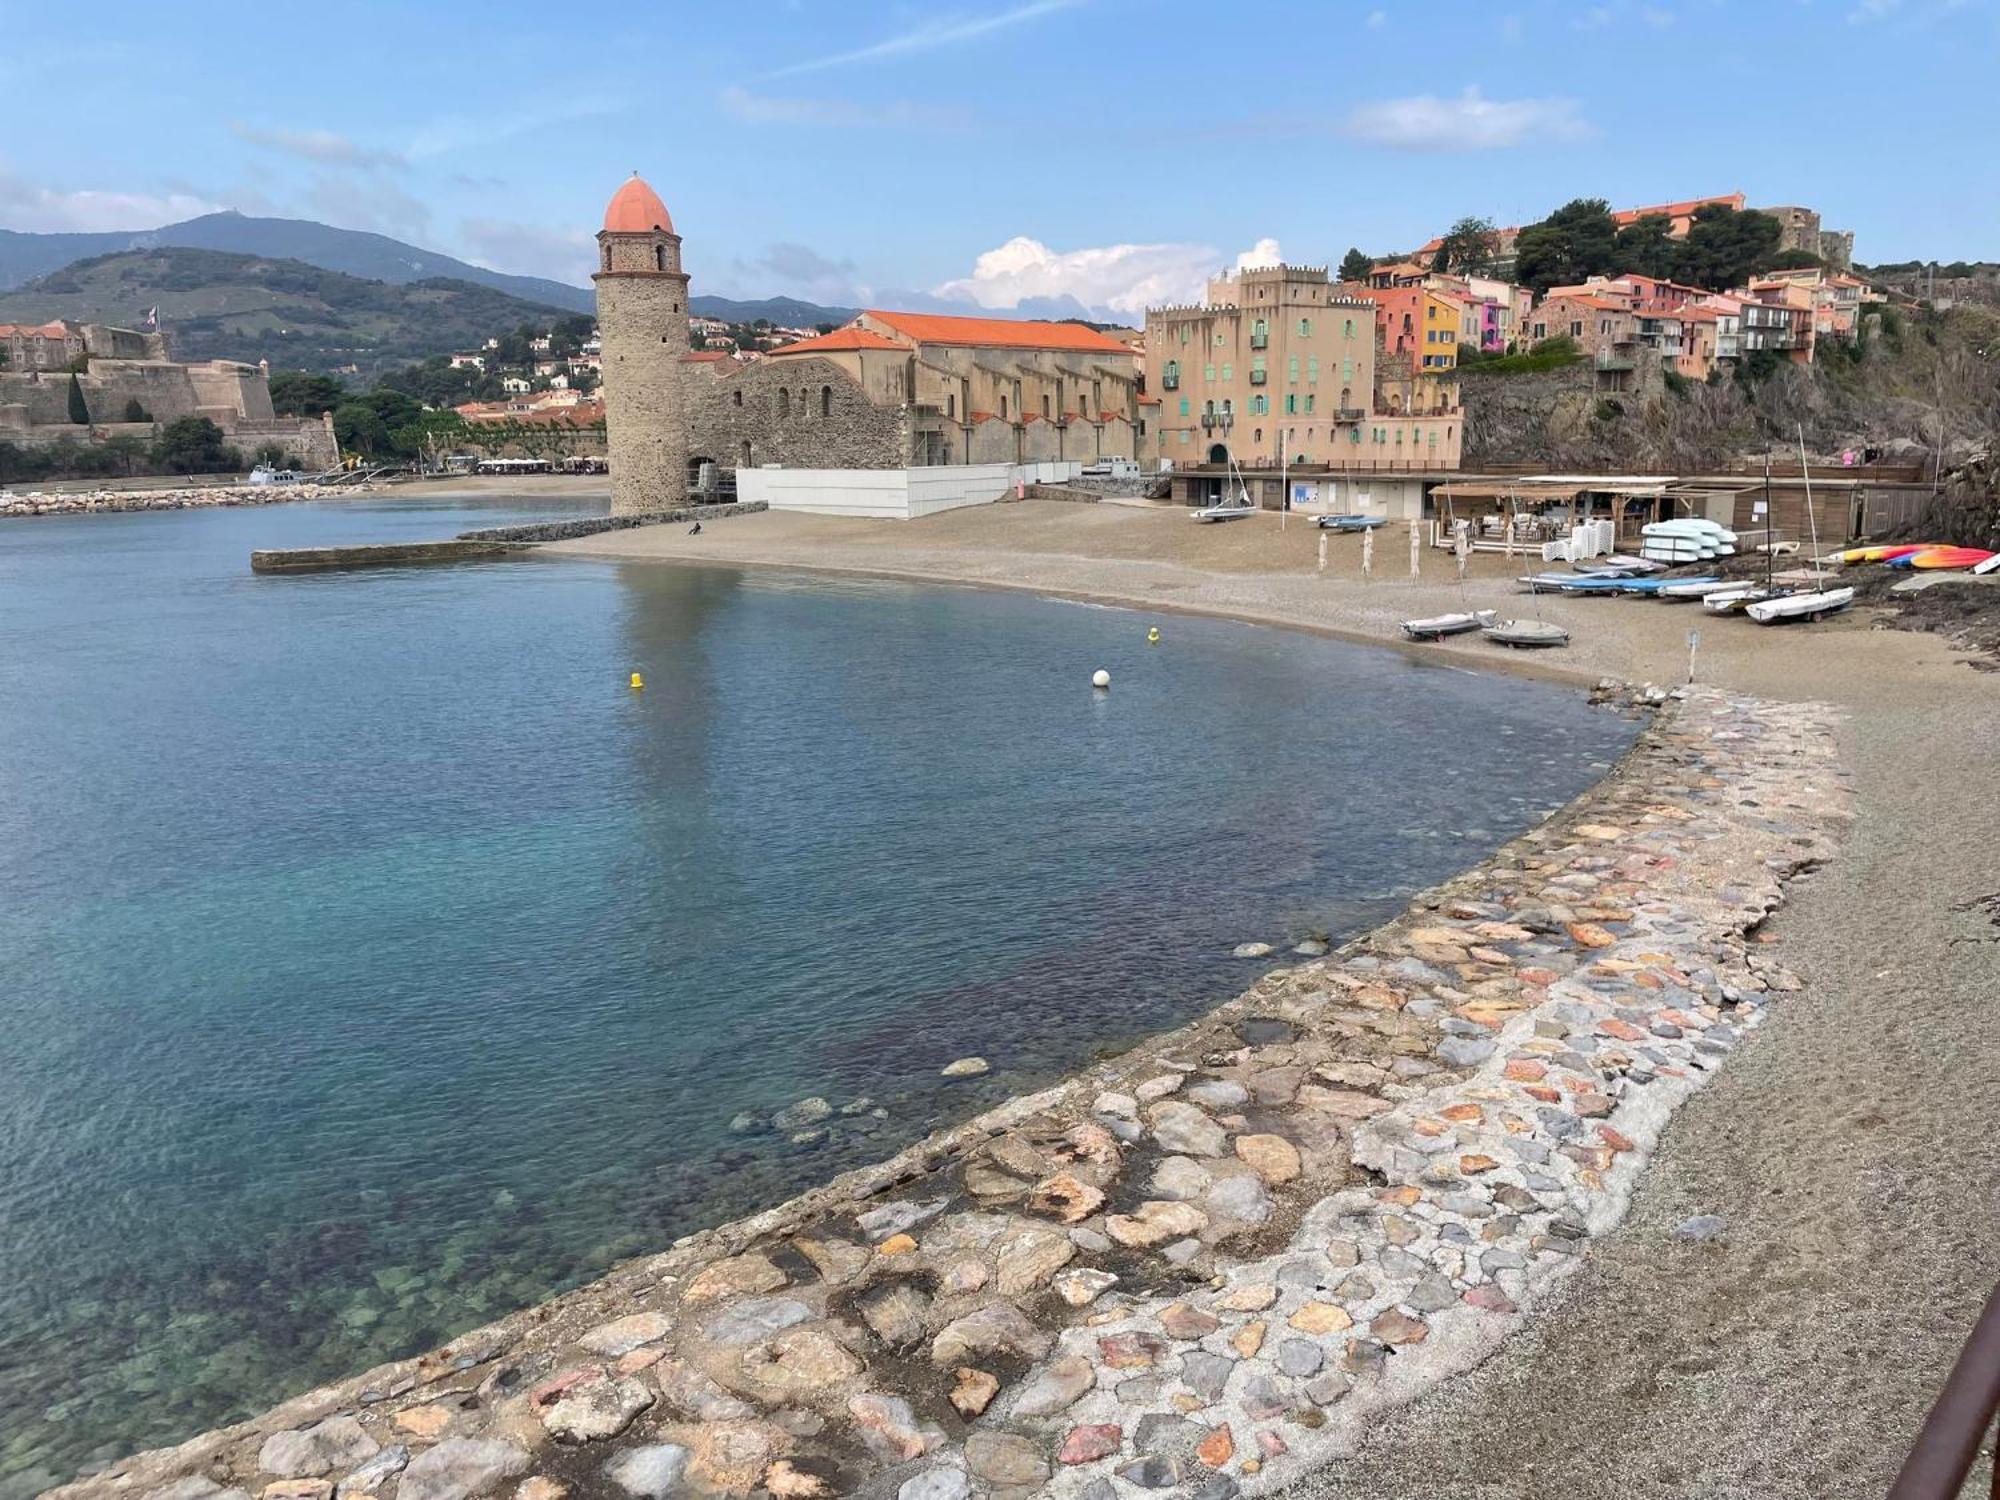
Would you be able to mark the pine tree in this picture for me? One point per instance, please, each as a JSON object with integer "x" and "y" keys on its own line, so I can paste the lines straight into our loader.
{"x": 79, "y": 410}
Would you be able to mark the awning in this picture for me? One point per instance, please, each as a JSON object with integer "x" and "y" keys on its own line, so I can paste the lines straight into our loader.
{"x": 1489, "y": 489}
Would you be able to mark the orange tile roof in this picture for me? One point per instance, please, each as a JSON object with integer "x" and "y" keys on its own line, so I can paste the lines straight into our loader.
{"x": 636, "y": 209}
{"x": 52, "y": 330}
{"x": 1007, "y": 333}
{"x": 1673, "y": 210}
{"x": 1149, "y": 400}
{"x": 840, "y": 341}
{"x": 703, "y": 356}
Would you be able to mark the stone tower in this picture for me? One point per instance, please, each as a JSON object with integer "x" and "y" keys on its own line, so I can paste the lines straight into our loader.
{"x": 642, "y": 322}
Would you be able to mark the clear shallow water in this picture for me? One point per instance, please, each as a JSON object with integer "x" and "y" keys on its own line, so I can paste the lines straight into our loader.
{"x": 376, "y": 961}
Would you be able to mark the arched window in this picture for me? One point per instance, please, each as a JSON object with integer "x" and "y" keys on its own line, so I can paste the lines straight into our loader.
{"x": 738, "y": 397}
{"x": 826, "y": 401}
{"x": 744, "y": 459}
{"x": 1346, "y": 396}
{"x": 659, "y": 257}
{"x": 1003, "y": 408}
{"x": 784, "y": 402}
{"x": 607, "y": 257}
{"x": 1305, "y": 327}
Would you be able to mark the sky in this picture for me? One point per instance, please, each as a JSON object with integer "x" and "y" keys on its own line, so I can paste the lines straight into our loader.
{"x": 1018, "y": 155}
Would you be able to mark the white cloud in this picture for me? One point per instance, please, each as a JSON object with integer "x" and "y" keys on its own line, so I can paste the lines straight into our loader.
{"x": 529, "y": 250}
{"x": 1377, "y": 19}
{"x": 1123, "y": 280}
{"x": 759, "y": 109}
{"x": 37, "y": 208}
{"x": 944, "y": 31}
{"x": 316, "y": 145}
{"x": 1469, "y": 122}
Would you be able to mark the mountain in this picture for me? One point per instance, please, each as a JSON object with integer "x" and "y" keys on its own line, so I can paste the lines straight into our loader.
{"x": 786, "y": 312}
{"x": 250, "y": 307}
{"x": 354, "y": 252}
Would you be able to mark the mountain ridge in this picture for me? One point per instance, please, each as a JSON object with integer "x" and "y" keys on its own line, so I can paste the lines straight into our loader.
{"x": 218, "y": 305}
{"x": 25, "y": 255}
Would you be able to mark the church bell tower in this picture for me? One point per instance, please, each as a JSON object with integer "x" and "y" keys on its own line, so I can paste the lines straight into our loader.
{"x": 642, "y": 326}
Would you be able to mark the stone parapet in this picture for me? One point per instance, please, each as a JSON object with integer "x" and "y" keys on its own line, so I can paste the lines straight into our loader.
{"x": 562, "y": 531}
{"x": 1206, "y": 1265}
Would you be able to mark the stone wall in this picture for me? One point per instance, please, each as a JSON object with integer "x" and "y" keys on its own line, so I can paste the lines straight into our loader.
{"x": 803, "y": 413}
{"x": 642, "y": 318}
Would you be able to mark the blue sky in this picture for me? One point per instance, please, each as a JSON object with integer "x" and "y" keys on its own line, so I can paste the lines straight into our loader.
{"x": 1112, "y": 151}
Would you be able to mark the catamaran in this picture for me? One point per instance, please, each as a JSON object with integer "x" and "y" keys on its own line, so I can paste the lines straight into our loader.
{"x": 1226, "y": 509}
{"x": 1817, "y": 601}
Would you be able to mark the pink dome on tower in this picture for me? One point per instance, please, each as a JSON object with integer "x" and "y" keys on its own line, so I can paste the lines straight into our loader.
{"x": 636, "y": 209}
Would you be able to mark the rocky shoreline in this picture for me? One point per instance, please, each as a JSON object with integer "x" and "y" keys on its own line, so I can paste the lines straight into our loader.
{"x": 1200, "y": 1267}
{"x": 112, "y": 502}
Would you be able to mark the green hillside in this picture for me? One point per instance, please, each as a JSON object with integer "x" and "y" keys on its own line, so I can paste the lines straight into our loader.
{"x": 216, "y": 305}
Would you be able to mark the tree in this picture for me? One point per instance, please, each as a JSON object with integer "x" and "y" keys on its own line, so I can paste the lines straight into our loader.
{"x": 125, "y": 451}
{"x": 193, "y": 445}
{"x": 1356, "y": 266}
{"x": 359, "y": 429}
{"x": 1469, "y": 247}
{"x": 1725, "y": 248}
{"x": 1647, "y": 247}
{"x": 430, "y": 437}
{"x": 294, "y": 393}
{"x": 134, "y": 412}
{"x": 1577, "y": 241}
{"x": 1792, "y": 260}
{"x": 79, "y": 409}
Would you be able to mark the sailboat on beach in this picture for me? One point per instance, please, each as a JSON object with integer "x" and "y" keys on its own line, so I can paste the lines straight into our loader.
{"x": 1817, "y": 601}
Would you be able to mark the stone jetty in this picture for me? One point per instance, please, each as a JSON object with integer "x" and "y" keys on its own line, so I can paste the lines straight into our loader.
{"x": 189, "y": 497}
{"x": 1196, "y": 1269}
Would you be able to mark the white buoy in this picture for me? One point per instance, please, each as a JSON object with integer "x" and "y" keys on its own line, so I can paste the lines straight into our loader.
{"x": 1100, "y": 678}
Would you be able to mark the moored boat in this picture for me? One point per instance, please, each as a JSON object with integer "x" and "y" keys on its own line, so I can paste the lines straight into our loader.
{"x": 1803, "y": 606}
{"x": 1526, "y": 634}
{"x": 1437, "y": 627}
{"x": 1694, "y": 588}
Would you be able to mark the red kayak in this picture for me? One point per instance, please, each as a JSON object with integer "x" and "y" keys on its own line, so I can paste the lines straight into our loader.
{"x": 1950, "y": 557}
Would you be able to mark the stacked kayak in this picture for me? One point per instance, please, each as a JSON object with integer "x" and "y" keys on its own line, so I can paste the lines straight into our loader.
{"x": 1686, "y": 541}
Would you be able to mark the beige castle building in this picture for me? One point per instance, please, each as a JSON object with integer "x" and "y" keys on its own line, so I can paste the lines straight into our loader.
{"x": 990, "y": 390}
{"x": 1278, "y": 366}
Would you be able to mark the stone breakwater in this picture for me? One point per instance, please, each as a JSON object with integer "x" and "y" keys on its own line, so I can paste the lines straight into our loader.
{"x": 107, "y": 502}
{"x": 1201, "y": 1267}
{"x": 557, "y": 531}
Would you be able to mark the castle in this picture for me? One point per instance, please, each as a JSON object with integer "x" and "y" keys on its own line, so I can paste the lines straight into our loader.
{"x": 130, "y": 385}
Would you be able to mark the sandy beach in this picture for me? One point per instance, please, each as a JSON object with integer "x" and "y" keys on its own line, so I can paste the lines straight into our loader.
{"x": 1846, "y": 1154}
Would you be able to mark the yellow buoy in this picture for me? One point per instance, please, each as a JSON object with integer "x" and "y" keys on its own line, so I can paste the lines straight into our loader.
{"x": 638, "y": 681}
{"x": 1153, "y": 636}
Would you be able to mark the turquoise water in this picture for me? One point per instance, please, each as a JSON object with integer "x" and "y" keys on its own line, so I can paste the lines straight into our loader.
{"x": 378, "y": 962}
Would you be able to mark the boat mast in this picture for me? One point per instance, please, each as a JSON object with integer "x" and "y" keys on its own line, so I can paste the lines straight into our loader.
{"x": 1770, "y": 520}
{"x": 1805, "y": 470}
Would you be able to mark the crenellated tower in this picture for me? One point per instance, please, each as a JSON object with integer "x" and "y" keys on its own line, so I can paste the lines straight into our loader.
{"x": 642, "y": 325}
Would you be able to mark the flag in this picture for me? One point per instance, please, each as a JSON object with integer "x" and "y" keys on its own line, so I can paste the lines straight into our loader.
{"x": 152, "y": 317}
